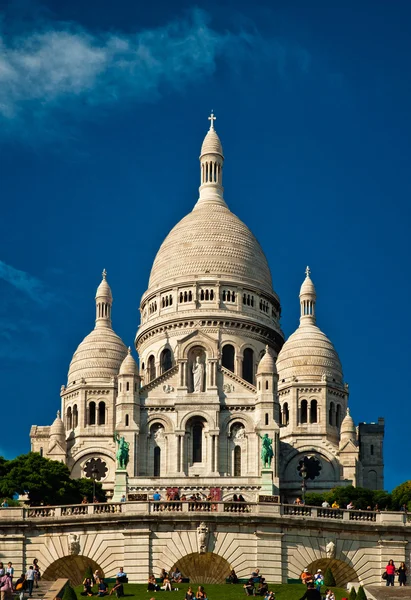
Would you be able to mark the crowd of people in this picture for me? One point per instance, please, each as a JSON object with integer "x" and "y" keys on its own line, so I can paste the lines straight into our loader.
{"x": 24, "y": 584}
{"x": 102, "y": 587}
{"x": 315, "y": 586}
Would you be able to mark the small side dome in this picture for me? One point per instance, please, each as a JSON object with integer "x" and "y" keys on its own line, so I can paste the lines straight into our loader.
{"x": 267, "y": 363}
{"x": 348, "y": 428}
{"x": 129, "y": 365}
{"x": 57, "y": 429}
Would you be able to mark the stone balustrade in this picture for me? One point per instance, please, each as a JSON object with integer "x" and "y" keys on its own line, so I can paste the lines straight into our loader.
{"x": 154, "y": 507}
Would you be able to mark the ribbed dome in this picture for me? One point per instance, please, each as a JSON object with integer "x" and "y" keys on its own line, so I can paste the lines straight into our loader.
{"x": 307, "y": 287}
{"x": 57, "y": 429}
{"x": 212, "y": 144}
{"x": 308, "y": 355}
{"x": 128, "y": 366}
{"x": 267, "y": 363}
{"x": 99, "y": 356}
{"x": 211, "y": 242}
{"x": 348, "y": 426}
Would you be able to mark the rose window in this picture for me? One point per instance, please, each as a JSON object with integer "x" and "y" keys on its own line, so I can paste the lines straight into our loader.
{"x": 95, "y": 468}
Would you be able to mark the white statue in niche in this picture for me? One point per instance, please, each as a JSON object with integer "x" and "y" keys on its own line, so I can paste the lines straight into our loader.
{"x": 198, "y": 375}
{"x": 74, "y": 544}
{"x": 239, "y": 433}
{"x": 159, "y": 433}
{"x": 202, "y": 532}
{"x": 330, "y": 550}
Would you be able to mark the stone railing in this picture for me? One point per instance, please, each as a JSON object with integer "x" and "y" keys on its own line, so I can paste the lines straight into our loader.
{"x": 142, "y": 508}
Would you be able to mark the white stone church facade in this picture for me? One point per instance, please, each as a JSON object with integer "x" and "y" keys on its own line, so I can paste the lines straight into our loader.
{"x": 215, "y": 374}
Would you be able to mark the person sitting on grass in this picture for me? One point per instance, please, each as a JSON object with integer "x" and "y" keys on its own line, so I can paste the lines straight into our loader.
{"x": 189, "y": 594}
{"x": 269, "y": 596}
{"x": 102, "y": 588}
{"x": 311, "y": 593}
{"x": 306, "y": 577}
{"x": 249, "y": 587}
{"x": 329, "y": 595}
{"x": 163, "y": 575}
{"x": 256, "y": 576}
{"x": 87, "y": 587}
{"x": 176, "y": 576}
{"x": 262, "y": 587}
{"x": 166, "y": 585}
{"x": 152, "y": 585}
{"x": 118, "y": 589}
{"x": 232, "y": 578}
{"x": 201, "y": 593}
{"x": 121, "y": 575}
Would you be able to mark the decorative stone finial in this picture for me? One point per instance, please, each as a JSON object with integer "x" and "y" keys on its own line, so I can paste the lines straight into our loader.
{"x": 129, "y": 350}
{"x": 212, "y": 118}
{"x": 307, "y": 271}
{"x": 104, "y": 274}
{"x": 58, "y": 414}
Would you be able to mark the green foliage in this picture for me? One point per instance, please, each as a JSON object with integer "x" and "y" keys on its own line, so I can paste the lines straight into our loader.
{"x": 361, "y": 594}
{"x": 401, "y": 495}
{"x": 329, "y": 580}
{"x": 361, "y": 497}
{"x": 313, "y": 499}
{"x": 89, "y": 573}
{"x": 353, "y": 594}
{"x": 69, "y": 593}
{"x": 45, "y": 481}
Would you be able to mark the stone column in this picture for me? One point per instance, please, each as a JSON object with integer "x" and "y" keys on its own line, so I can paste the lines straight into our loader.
{"x": 269, "y": 553}
{"x": 137, "y": 545}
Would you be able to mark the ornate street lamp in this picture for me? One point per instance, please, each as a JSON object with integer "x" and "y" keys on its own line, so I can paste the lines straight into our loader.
{"x": 303, "y": 473}
{"x": 94, "y": 475}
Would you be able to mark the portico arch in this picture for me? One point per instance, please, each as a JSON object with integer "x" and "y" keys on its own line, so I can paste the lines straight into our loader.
{"x": 342, "y": 571}
{"x": 203, "y": 568}
{"x": 71, "y": 567}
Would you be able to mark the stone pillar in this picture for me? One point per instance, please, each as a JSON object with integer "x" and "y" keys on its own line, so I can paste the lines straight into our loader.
{"x": 269, "y": 553}
{"x": 120, "y": 485}
{"x": 137, "y": 545}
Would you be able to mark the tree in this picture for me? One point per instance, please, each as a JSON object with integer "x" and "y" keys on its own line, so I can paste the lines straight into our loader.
{"x": 85, "y": 488}
{"x": 69, "y": 593}
{"x": 402, "y": 495}
{"x": 89, "y": 573}
{"x": 329, "y": 580}
{"x": 353, "y": 594}
{"x": 314, "y": 499}
{"x": 361, "y": 594}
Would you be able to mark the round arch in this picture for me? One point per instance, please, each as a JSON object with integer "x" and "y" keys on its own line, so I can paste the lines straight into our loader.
{"x": 163, "y": 420}
{"x": 203, "y": 568}
{"x": 81, "y": 458}
{"x": 343, "y": 572}
{"x": 184, "y": 349}
{"x": 197, "y": 413}
{"x": 227, "y": 423}
{"x": 320, "y": 452}
{"x": 71, "y": 567}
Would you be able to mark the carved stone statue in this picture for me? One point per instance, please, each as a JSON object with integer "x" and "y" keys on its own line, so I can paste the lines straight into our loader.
{"x": 123, "y": 451}
{"x": 202, "y": 533}
{"x": 330, "y": 550}
{"x": 198, "y": 375}
{"x": 74, "y": 544}
{"x": 267, "y": 451}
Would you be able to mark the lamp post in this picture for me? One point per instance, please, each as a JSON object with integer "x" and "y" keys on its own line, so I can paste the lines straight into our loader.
{"x": 303, "y": 473}
{"x": 94, "y": 473}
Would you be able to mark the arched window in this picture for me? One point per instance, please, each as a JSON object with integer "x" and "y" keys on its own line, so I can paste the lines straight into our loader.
{"x": 92, "y": 413}
{"x": 228, "y": 357}
{"x": 69, "y": 419}
{"x": 266, "y": 418}
{"x": 101, "y": 413}
{"x": 372, "y": 450}
{"x": 372, "y": 480}
{"x": 331, "y": 414}
{"x": 286, "y": 414}
{"x": 190, "y": 296}
{"x": 197, "y": 443}
{"x": 127, "y": 386}
{"x": 151, "y": 367}
{"x": 157, "y": 461}
{"x": 248, "y": 365}
{"x": 165, "y": 360}
{"x": 41, "y": 451}
{"x": 127, "y": 421}
{"x": 338, "y": 415}
{"x": 304, "y": 415}
{"x": 75, "y": 416}
{"x": 237, "y": 461}
{"x": 313, "y": 411}
{"x": 266, "y": 385}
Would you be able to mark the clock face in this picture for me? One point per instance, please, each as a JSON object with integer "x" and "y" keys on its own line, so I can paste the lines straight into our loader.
{"x": 312, "y": 467}
{"x": 95, "y": 468}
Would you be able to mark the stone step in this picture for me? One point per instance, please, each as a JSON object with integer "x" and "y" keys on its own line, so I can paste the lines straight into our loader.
{"x": 385, "y": 592}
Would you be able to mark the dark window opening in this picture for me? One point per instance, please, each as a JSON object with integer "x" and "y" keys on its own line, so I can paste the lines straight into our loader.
{"x": 228, "y": 357}
{"x": 157, "y": 461}
{"x": 92, "y": 413}
{"x": 237, "y": 461}
{"x": 166, "y": 362}
{"x": 304, "y": 411}
{"x": 248, "y": 365}
{"x": 102, "y": 413}
{"x": 197, "y": 443}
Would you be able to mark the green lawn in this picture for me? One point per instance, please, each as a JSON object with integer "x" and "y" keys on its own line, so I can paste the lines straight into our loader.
{"x": 214, "y": 592}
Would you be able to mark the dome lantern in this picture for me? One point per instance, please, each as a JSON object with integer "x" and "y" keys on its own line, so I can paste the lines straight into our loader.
{"x": 211, "y": 168}
{"x": 104, "y": 302}
{"x": 308, "y": 298}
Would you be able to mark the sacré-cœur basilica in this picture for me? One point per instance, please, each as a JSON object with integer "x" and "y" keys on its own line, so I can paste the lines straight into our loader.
{"x": 215, "y": 375}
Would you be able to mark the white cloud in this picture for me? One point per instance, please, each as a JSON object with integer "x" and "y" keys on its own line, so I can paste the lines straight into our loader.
{"x": 26, "y": 283}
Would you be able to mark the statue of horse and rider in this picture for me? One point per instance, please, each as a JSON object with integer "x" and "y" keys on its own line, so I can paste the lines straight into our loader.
{"x": 267, "y": 451}
{"x": 123, "y": 451}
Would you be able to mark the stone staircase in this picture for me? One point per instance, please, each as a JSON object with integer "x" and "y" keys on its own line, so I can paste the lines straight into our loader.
{"x": 42, "y": 590}
{"x": 387, "y": 592}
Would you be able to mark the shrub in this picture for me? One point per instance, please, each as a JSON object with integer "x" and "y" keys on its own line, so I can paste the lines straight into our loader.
{"x": 329, "y": 580}
{"x": 361, "y": 594}
{"x": 88, "y": 573}
{"x": 69, "y": 593}
{"x": 353, "y": 594}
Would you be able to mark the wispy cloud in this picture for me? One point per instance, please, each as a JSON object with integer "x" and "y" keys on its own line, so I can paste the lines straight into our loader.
{"x": 27, "y": 284}
{"x": 64, "y": 66}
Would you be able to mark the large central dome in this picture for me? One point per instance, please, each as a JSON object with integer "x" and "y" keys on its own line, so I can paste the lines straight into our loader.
{"x": 211, "y": 242}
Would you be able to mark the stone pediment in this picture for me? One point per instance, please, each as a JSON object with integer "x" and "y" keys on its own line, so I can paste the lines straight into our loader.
{"x": 200, "y": 338}
{"x": 56, "y": 448}
{"x": 349, "y": 447}
{"x": 233, "y": 383}
{"x": 166, "y": 382}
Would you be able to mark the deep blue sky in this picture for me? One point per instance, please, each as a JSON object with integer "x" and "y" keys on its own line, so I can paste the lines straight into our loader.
{"x": 103, "y": 108}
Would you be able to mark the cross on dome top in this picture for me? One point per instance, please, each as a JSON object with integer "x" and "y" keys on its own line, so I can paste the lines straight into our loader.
{"x": 307, "y": 271}
{"x": 212, "y": 118}
{"x": 104, "y": 274}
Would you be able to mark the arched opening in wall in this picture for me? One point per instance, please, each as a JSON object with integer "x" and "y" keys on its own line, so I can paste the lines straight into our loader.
{"x": 127, "y": 421}
{"x": 313, "y": 411}
{"x": 71, "y": 567}
{"x": 248, "y": 365}
{"x": 101, "y": 413}
{"x": 343, "y": 573}
{"x": 75, "y": 416}
{"x": 237, "y": 461}
{"x": 266, "y": 419}
{"x": 165, "y": 360}
{"x": 331, "y": 414}
{"x": 204, "y": 568}
{"x": 41, "y": 451}
{"x": 151, "y": 368}
{"x": 372, "y": 480}
{"x": 69, "y": 419}
{"x": 286, "y": 414}
{"x": 157, "y": 461}
{"x": 266, "y": 385}
{"x": 197, "y": 443}
{"x": 92, "y": 413}
{"x": 338, "y": 415}
{"x": 372, "y": 449}
{"x": 127, "y": 386}
{"x": 228, "y": 357}
{"x": 303, "y": 411}
{"x": 197, "y": 365}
